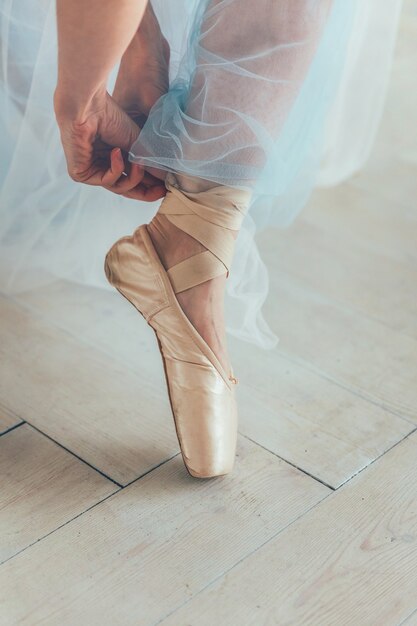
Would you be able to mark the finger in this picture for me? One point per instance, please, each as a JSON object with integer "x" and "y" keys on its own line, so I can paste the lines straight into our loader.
{"x": 132, "y": 179}
{"x": 116, "y": 179}
{"x": 146, "y": 194}
{"x": 115, "y": 171}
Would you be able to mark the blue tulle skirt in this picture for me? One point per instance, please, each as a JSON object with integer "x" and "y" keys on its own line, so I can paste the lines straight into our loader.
{"x": 251, "y": 87}
{"x": 248, "y": 102}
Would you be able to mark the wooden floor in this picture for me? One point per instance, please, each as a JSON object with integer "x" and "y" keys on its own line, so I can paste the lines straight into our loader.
{"x": 100, "y": 522}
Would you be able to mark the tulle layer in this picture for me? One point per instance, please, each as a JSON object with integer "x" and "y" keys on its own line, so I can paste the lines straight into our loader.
{"x": 248, "y": 103}
{"x": 253, "y": 89}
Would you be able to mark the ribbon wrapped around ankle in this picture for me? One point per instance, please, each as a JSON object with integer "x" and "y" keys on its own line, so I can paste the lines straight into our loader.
{"x": 208, "y": 216}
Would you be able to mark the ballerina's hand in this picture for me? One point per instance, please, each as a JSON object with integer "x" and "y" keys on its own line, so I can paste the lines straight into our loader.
{"x": 94, "y": 143}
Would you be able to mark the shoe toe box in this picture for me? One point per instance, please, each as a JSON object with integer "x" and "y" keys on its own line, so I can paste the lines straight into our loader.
{"x": 205, "y": 414}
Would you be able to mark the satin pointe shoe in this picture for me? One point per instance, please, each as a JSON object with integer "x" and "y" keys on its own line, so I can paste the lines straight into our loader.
{"x": 200, "y": 391}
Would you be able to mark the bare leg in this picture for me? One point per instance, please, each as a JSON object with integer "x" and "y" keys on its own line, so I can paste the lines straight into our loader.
{"x": 143, "y": 71}
{"x": 275, "y": 43}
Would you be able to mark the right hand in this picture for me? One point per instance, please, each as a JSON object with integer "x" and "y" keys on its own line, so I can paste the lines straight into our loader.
{"x": 94, "y": 138}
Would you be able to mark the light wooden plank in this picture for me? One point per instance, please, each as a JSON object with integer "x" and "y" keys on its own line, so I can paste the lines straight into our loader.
{"x": 391, "y": 179}
{"x": 351, "y": 560}
{"x": 7, "y": 420}
{"x": 147, "y": 549}
{"x": 101, "y": 318}
{"x": 309, "y": 421}
{"x": 360, "y": 354}
{"x": 363, "y": 216}
{"x": 314, "y": 424}
{"x": 411, "y": 620}
{"x": 85, "y": 400}
{"x": 350, "y": 273}
{"x": 43, "y": 486}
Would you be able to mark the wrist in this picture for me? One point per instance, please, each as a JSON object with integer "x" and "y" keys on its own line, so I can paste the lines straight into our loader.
{"x": 74, "y": 104}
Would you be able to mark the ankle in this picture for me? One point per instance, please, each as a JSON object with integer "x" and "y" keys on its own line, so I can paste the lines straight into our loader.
{"x": 172, "y": 244}
{"x": 191, "y": 184}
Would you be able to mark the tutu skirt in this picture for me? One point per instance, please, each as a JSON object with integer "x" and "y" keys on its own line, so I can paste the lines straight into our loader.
{"x": 262, "y": 97}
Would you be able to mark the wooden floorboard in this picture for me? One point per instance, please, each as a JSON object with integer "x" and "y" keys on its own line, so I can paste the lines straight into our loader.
{"x": 146, "y": 550}
{"x": 7, "y": 420}
{"x": 310, "y": 421}
{"x": 313, "y": 423}
{"x": 351, "y": 274}
{"x": 43, "y": 487}
{"x": 360, "y": 354}
{"x": 350, "y": 560}
{"x": 82, "y": 398}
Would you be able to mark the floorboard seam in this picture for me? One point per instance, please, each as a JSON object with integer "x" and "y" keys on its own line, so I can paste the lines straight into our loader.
{"x": 289, "y": 462}
{"x": 4, "y": 432}
{"x": 59, "y": 527}
{"x": 322, "y": 481}
{"x": 226, "y": 572}
{"x": 114, "y": 493}
{"x": 408, "y": 617}
{"x": 74, "y": 454}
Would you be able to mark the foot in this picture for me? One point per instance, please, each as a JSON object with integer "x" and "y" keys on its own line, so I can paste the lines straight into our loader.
{"x": 202, "y": 304}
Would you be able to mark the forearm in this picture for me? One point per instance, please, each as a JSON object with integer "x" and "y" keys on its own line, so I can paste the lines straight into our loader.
{"x": 92, "y": 38}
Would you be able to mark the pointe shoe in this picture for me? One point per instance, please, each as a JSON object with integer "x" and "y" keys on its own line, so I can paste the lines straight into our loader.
{"x": 201, "y": 393}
